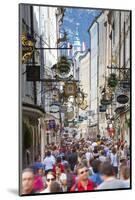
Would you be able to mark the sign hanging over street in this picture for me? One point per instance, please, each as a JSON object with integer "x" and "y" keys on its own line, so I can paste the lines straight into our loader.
{"x": 122, "y": 99}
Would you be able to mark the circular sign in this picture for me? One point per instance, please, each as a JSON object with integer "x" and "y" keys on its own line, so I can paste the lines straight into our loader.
{"x": 122, "y": 99}
{"x": 54, "y": 108}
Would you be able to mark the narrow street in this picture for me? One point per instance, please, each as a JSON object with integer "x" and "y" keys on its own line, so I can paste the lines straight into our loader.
{"x": 75, "y": 97}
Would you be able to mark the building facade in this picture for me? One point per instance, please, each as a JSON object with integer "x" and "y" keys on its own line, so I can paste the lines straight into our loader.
{"x": 110, "y": 54}
{"x": 84, "y": 78}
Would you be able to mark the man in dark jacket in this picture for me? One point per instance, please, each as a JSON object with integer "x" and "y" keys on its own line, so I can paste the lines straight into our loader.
{"x": 73, "y": 159}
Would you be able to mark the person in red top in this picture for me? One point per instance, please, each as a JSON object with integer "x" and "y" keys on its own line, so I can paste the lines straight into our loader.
{"x": 83, "y": 183}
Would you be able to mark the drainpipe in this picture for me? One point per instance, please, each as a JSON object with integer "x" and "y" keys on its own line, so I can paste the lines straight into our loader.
{"x": 97, "y": 77}
{"x": 33, "y": 57}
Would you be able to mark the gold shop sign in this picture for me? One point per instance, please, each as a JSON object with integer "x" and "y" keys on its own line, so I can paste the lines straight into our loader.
{"x": 84, "y": 105}
{"x": 28, "y": 46}
{"x": 70, "y": 89}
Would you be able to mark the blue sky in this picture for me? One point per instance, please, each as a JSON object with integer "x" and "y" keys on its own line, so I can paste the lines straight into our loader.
{"x": 82, "y": 17}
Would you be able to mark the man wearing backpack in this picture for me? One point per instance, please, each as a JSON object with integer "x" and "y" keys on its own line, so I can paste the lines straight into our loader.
{"x": 83, "y": 183}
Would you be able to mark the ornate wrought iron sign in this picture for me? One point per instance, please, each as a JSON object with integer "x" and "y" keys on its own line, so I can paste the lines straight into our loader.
{"x": 122, "y": 99}
{"x": 28, "y": 46}
{"x": 105, "y": 101}
{"x": 54, "y": 108}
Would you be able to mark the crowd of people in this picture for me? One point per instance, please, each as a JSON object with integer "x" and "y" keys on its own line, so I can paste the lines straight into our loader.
{"x": 79, "y": 165}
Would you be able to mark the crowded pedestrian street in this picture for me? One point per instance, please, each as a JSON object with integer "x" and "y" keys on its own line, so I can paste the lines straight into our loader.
{"x": 75, "y": 133}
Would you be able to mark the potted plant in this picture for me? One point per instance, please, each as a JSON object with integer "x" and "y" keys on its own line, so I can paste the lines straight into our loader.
{"x": 112, "y": 80}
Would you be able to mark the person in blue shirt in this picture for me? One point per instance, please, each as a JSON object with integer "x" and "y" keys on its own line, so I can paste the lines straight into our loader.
{"x": 96, "y": 176}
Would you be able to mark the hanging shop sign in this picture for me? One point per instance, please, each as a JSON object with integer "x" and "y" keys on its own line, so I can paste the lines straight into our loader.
{"x": 84, "y": 105}
{"x": 63, "y": 66}
{"x": 105, "y": 102}
{"x": 63, "y": 109}
{"x": 122, "y": 99}
{"x": 52, "y": 124}
{"x": 70, "y": 109}
{"x": 70, "y": 89}
{"x": 33, "y": 73}
{"x": 70, "y": 115}
{"x": 64, "y": 78}
{"x": 79, "y": 98}
{"x": 81, "y": 118}
{"x": 125, "y": 84}
{"x": 28, "y": 46}
{"x": 54, "y": 108}
{"x": 120, "y": 109}
{"x": 102, "y": 108}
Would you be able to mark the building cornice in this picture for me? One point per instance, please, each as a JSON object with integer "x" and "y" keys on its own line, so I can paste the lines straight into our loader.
{"x": 94, "y": 21}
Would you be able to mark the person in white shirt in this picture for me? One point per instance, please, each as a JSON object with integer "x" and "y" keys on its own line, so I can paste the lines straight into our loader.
{"x": 89, "y": 156}
{"x": 94, "y": 144}
{"x": 114, "y": 160}
{"x": 49, "y": 162}
{"x": 102, "y": 157}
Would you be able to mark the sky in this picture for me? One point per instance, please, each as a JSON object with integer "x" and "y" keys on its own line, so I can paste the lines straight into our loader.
{"x": 82, "y": 18}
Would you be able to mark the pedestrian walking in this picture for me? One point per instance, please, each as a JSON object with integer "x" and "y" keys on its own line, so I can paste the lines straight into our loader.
{"x": 83, "y": 183}
{"x": 102, "y": 156}
{"x": 38, "y": 184}
{"x": 61, "y": 177}
{"x": 109, "y": 179}
{"x": 96, "y": 176}
{"x": 49, "y": 162}
{"x": 114, "y": 160}
{"x": 27, "y": 181}
{"x": 50, "y": 177}
{"x": 125, "y": 175}
{"x": 73, "y": 159}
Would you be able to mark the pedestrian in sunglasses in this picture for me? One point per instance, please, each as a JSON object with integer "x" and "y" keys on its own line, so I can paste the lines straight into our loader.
{"x": 83, "y": 182}
{"x": 50, "y": 177}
